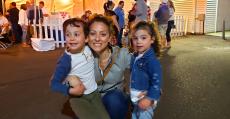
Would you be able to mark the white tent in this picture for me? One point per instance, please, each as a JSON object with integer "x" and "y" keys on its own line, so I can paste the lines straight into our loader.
{"x": 73, "y": 7}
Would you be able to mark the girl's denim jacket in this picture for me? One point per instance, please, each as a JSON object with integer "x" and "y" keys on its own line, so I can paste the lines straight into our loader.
{"x": 146, "y": 74}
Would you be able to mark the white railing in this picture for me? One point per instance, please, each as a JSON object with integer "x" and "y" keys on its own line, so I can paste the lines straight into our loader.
{"x": 181, "y": 23}
{"x": 51, "y": 31}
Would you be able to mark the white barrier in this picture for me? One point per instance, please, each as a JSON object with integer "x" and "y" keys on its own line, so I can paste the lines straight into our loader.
{"x": 181, "y": 23}
{"x": 50, "y": 31}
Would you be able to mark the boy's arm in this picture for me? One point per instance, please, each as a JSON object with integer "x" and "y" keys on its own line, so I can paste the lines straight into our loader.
{"x": 155, "y": 75}
{"x": 61, "y": 72}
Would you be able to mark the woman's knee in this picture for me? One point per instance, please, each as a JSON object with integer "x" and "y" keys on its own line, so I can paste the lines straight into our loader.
{"x": 115, "y": 97}
{"x": 116, "y": 103}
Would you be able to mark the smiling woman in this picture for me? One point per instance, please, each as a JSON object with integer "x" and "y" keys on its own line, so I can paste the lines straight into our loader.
{"x": 110, "y": 65}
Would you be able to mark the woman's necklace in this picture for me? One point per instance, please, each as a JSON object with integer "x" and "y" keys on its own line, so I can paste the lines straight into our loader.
{"x": 104, "y": 60}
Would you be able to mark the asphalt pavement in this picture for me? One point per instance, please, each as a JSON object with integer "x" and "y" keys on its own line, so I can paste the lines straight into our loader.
{"x": 196, "y": 79}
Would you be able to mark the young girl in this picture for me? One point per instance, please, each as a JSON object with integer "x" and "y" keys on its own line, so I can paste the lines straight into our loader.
{"x": 145, "y": 84}
{"x": 78, "y": 61}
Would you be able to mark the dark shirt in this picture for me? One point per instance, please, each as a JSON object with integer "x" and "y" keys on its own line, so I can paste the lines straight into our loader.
{"x": 111, "y": 13}
{"x": 31, "y": 15}
{"x": 13, "y": 15}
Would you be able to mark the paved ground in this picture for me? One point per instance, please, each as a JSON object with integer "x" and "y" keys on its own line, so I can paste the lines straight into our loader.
{"x": 220, "y": 34}
{"x": 196, "y": 82}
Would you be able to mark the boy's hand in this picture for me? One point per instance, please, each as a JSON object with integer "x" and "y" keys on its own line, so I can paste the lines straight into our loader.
{"x": 77, "y": 90}
{"x": 144, "y": 103}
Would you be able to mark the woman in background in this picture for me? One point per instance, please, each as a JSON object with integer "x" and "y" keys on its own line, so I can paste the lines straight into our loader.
{"x": 170, "y": 22}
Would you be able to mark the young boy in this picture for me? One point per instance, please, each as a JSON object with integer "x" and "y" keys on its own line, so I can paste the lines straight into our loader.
{"x": 76, "y": 63}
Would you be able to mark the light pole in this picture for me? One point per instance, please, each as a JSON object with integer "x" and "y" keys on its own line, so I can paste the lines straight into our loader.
{"x": 3, "y": 7}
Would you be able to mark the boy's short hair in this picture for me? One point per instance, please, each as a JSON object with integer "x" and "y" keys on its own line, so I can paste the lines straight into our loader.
{"x": 75, "y": 22}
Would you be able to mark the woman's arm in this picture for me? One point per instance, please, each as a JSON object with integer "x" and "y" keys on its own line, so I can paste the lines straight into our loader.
{"x": 115, "y": 22}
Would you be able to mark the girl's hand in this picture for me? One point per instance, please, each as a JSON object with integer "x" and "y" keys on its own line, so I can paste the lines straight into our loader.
{"x": 144, "y": 103}
{"x": 142, "y": 94}
{"x": 77, "y": 90}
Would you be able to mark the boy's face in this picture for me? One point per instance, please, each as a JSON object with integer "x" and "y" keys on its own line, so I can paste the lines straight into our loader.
{"x": 75, "y": 38}
{"x": 141, "y": 41}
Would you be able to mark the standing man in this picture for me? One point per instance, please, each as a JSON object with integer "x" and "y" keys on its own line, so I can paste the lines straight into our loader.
{"x": 13, "y": 16}
{"x": 44, "y": 10}
{"x": 121, "y": 21}
{"x": 45, "y": 13}
{"x": 39, "y": 14}
{"x": 31, "y": 16}
{"x": 142, "y": 10}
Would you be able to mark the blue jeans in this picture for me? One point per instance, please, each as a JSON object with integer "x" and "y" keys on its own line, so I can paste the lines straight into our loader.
{"x": 143, "y": 114}
{"x": 119, "y": 38}
{"x": 116, "y": 103}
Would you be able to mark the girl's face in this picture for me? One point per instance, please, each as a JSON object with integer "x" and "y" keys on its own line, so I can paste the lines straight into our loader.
{"x": 99, "y": 37}
{"x": 75, "y": 38}
{"x": 141, "y": 41}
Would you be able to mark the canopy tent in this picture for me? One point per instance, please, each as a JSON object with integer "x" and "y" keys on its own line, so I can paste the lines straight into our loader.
{"x": 73, "y": 7}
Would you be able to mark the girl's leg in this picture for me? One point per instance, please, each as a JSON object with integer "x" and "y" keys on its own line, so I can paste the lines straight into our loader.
{"x": 143, "y": 114}
{"x": 116, "y": 104}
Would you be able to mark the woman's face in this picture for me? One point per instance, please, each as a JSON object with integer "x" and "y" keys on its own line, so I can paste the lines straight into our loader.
{"x": 99, "y": 37}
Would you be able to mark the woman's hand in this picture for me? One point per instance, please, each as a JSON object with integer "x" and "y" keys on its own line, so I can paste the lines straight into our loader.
{"x": 77, "y": 90}
{"x": 144, "y": 103}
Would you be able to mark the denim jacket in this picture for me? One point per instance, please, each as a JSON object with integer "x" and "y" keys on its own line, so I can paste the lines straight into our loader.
{"x": 146, "y": 74}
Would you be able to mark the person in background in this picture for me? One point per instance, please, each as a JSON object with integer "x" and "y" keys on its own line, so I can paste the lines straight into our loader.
{"x": 13, "y": 16}
{"x": 4, "y": 28}
{"x": 85, "y": 17}
{"x": 108, "y": 8}
{"x": 149, "y": 14}
{"x": 146, "y": 72}
{"x": 4, "y": 23}
{"x": 31, "y": 16}
{"x": 162, "y": 17}
{"x": 44, "y": 10}
{"x": 23, "y": 22}
{"x": 78, "y": 61}
{"x": 141, "y": 10}
{"x": 110, "y": 65}
{"x": 120, "y": 13}
{"x": 170, "y": 22}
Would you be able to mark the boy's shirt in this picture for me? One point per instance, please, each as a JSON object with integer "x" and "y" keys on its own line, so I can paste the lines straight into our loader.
{"x": 82, "y": 65}
{"x": 64, "y": 68}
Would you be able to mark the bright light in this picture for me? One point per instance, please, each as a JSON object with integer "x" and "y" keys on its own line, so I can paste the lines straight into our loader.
{"x": 148, "y": 3}
{"x": 65, "y": 2}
